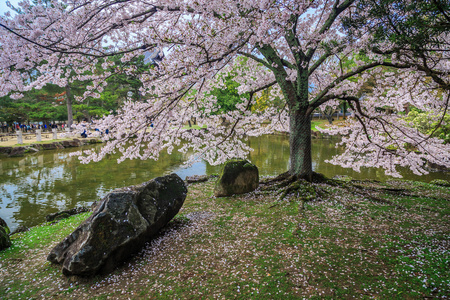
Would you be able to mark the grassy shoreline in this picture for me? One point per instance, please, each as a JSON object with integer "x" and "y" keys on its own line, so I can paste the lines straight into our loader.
{"x": 255, "y": 247}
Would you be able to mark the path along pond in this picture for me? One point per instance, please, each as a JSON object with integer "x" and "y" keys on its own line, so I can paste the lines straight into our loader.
{"x": 34, "y": 186}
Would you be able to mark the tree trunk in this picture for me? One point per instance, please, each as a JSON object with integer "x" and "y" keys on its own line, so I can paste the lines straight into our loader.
{"x": 69, "y": 107}
{"x": 300, "y": 144}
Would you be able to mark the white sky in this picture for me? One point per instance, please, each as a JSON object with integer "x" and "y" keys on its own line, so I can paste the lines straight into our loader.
{"x": 4, "y": 8}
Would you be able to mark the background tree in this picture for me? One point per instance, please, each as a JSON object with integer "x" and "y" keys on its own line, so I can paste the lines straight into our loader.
{"x": 294, "y": 47}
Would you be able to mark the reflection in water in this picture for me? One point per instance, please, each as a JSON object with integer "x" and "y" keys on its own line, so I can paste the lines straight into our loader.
{"x": 34, "y": 186}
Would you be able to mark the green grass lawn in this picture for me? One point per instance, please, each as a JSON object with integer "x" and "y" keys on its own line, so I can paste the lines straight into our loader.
{"x": 362, "y": 240}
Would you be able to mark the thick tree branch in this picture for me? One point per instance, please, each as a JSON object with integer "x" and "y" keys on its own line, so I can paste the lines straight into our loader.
{"x": 319, "y": 62}
{"x": 287, "y": 87}
{"x": 322, "y": 96}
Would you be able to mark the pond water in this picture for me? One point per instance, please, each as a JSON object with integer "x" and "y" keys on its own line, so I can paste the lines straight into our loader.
{"x": 34, "y": 186}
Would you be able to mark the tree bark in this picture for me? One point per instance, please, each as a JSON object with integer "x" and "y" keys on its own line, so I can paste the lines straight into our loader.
{"x": 69, "y": 107}
{"x": 300, "y": 144}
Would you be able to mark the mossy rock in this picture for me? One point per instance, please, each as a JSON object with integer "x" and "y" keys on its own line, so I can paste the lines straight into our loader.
{"x": 37, "y": 146}
{"x": 4, "y": 225}
{"x": 17, "y": 151}
{"x": 238, "y": 177}
{"x": 51, "y": 146}
{"x": 5, "y": 150}
{"x": 440, "y": 182}
{"x": 19, "y": 229}
{"x": 5, "y": 242}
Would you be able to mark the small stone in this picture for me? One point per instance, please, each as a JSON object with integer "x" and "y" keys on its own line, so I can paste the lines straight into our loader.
{"x": 66, "y": 213}
{"x": 19, "y": 229}
{"x": 197, "y": 178}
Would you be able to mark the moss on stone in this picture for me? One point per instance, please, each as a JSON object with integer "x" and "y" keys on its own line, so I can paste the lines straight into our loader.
{"x": 238, "y": 176}
{"x": 5, "y": 242}
{"x": 5, "y": 226}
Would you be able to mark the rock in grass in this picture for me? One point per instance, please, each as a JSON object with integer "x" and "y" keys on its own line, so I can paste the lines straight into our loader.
{"x": 197, "y": 178}
{"x": 4, "y": 225}
{"x": 66, "y": 213}
{"x": 19, "y": 229}
{"x": 119, "y": 226}
{"x": 238, "y": 177}
{"x": 5, "y": 242}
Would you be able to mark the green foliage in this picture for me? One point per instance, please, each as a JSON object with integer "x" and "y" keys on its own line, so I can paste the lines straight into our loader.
{"x": 49, "y": 103}
{"x": 36, "y": 105}
{"x": 11, "y": 114}
{"x": 120, "y": 82}
{"x": 407, "y": 24}
{"x": 426, "y": 122}
{"x": 265, "y": 100}
{"x": 228, "y": 97}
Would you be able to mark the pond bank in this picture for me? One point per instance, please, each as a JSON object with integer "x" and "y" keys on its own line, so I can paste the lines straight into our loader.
{"x": 21, "y": 150}
{"x": 33, "y": 186}
{"x": 360, "y": 239}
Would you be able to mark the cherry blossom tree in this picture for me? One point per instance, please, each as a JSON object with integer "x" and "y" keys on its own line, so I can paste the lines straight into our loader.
{"x": 297, "y": 48}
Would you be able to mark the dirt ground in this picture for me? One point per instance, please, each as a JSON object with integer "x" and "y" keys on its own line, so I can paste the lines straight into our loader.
{"x": 28, "y": 138}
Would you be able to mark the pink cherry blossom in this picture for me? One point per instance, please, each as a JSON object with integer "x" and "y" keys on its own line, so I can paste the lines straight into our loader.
{"x": 295, "y": 47}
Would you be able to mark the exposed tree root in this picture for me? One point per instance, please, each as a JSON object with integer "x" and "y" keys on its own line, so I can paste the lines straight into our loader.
{"x": 358, "y": 190}
{"x": 296, "y": 187}
{"x": 396, "y": 191}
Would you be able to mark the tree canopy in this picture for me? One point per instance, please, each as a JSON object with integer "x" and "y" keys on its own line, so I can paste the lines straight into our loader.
{"x": 299, "y": 49}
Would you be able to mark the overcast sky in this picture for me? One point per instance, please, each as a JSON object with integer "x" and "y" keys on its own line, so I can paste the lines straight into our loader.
{"x": 4, "y": 8}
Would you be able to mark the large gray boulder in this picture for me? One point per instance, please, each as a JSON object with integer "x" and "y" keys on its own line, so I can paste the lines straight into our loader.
{"x": 119, "y": 226}
{"x": 5, "y": 242}
{"x": 238, "y": 177}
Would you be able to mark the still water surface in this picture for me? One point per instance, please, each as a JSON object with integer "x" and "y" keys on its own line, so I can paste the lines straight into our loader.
{"x": 34, "y": 186}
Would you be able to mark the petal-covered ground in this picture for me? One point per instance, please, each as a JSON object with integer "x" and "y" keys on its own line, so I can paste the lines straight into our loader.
{"x": 358, "y": 239}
